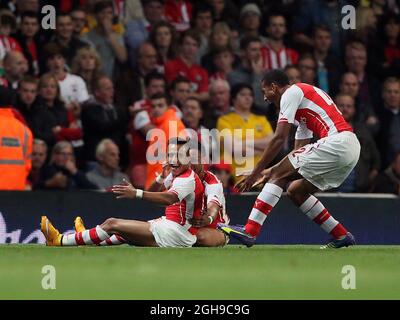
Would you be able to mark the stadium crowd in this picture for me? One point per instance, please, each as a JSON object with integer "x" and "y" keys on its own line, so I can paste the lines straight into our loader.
{"x": 92, "y": 89}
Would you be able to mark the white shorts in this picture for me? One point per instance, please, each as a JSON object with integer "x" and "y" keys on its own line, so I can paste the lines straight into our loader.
{"x": 168, "y": 233}
{"x": 328, "y": 162}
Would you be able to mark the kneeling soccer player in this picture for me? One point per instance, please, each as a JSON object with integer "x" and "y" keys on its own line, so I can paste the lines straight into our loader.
{"x": 183, "y": 200}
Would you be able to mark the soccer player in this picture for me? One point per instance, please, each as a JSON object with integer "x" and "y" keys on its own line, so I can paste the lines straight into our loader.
{"x": 183, "y": 200}
{"x": 214, "y": 210}
{"x": 309, "y": 167}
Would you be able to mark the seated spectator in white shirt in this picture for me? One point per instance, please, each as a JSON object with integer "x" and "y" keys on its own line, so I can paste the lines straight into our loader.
{"x": 73, "y": 89}
{"x": 106, "y": 172}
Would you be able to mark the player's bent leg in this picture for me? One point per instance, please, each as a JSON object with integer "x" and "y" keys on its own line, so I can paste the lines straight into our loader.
{"x": 281, "y": 174}
{"x": 208, "y": 237}
{"x": 300, "y": 192}
{"x": 133, "y": 231}
{"x": 114, "y": 240}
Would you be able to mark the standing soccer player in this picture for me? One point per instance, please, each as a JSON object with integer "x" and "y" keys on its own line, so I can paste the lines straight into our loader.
{"x": 309, "y": 167}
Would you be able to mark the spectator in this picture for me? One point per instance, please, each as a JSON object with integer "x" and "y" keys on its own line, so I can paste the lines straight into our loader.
{"x": 276, "y": 54}
{"x": 389, "y": 180}
{"x": 65, "y": 38}
{"x": 164, "y": 38}
{"x": 203, "y": 22}
{"x": 221, "y": 38}
{"x": 100, "y": 117}
{"x": 73, "y": 89}
{"x": 364, "y": 112}
{"x": 15, "y": 150}
{"x": 223, "y": 172}
{"x": 250, "y": 20}
{"x": 15, "y": 67}
{"x": 39, "y": 156}
{"x": 87, "y": 65}
{"x": 138, "y": 30}
{"x": 356, "y": 61}
{"x": 391, "y": 45}
{"x": 389, "y": 115}
{"x": 313, "y": 13}
{"x": 7, "y": 43}
{"x": 108, "y": 43}
{"x": 185, "y": 65}
{"x": 242, "y": 118}
{"x": 219, "y": 103}
{"x": 308, "y": 69}
{"x": 140, "y": 112}
{"x": 179, "y": 92}
{"x": 251, "y": 68}
{"x": 293, "y": 73}
{"x": 225, "y": 11}
{"x": 62, "y": 172}
{"x": 30, "y": 41}
{"x": 223, "y": 61}
{"x": 51, "y": 121}
{"x": 163, "y": 118}
{"x": 192, "y": 118}
{"x": 106, "y": 172}
{"x": 178, "y": 13}
{"x": 367, "y": 168}
{"x": 130, "y": 85}
{"x": 79, "y": 22}
{"x": 329, "y": 66}
{"x": 26, "y": 102}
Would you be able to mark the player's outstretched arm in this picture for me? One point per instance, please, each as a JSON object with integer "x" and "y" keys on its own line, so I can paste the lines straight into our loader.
{"x": 126, "y": 190}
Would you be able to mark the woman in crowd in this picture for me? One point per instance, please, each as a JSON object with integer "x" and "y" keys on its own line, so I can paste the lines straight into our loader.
{"x": 87, "y": 64}
{"x": 164, "y": 38}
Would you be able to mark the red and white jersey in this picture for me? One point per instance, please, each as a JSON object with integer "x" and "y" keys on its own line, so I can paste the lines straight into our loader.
{"x": 312, "y": 110}
{"x": 214, "y": 192}
{"x": 278, "y": 59}
{"x": 190, "y": 192}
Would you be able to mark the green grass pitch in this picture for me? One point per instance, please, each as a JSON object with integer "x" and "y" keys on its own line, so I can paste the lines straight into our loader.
{"x": 233, "y": 272}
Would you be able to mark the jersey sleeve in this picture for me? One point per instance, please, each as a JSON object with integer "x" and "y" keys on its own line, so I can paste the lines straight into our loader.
{"x": 168, "y": 181}
{"x": 303, "y": 132}
{"x": 182, "y": 187}
{"x": 215, "y": 193}
{"x": 290, "y": 102}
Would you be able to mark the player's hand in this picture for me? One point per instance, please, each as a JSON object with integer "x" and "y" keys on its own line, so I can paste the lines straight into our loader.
{"x": 247, "y": 183}
{"x": 125, "y": 190}
{"x": 265, "y": 175}
{"x": 203, "y": 221}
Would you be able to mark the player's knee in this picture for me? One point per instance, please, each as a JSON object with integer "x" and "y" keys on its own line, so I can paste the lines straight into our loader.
{"x": 291, "y": 191}
{"x": 110, "y": 224}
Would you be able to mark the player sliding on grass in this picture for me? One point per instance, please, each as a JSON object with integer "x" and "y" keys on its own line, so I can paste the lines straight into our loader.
{"x": 183, "y": 199}
{"x": 214, "y": 201}
{"x": 309, "y": 167}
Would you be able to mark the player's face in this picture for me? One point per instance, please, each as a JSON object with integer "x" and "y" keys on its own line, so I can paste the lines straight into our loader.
{"x": 270, "y": 92}
{"x": 178, "y": 158}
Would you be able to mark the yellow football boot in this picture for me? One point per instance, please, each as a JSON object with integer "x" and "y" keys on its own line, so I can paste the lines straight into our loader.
{"x": 52, "y": 235}
{"x": 78, "y": 225}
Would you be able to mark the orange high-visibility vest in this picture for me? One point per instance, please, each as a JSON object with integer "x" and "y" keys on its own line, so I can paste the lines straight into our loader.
{"x": 15, "y": 151}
